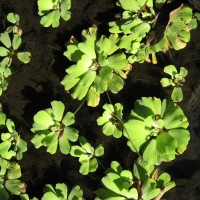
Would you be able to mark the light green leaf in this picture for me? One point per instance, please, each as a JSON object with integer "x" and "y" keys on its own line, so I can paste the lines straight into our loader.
{"x": 24, "y": 57}
{"x": 77, "y": 151}
{"x": 16, "y": 41}
{"x": 76, "y": 193}
{"x": 58, "y": 109}
{"x": 68, "y": 119}
{"x": 42, "y": 121}
{"x": 171, "y": 70}
{"x": 71, "y": 133}
{"x": 182, "y": 137}
{"x": 115, "y": 84}
{"x": 14, "y": 186}
{"x": 166, "y": 146}
{"x": 5, "y": 39}
{"x": 13, "y": 18}
{"x": 64, "y": 144}
{"x": 52, "y": 146}
{"x": 177, "y": 94}
{"x": 45, "y": 5}
{"x": 3, "y": 51}
{"x": 84, "y": 169}
{"x": 165, "y": 82}
{"x": 51, "y": 19}
{"x": 14, "y": 171}
{"x": 93, "y": 97}
{"x": 99, "y": 151}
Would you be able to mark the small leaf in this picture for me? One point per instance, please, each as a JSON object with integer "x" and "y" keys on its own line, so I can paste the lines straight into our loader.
{"x": 24, "y": 57}
{"x": 58, "y": 109}
{"x": 171, "y": 70}
{"x": 14, "y": 186}
{"x": 76, "y": 193}
{"x": 16, "y": 42}
{"x": 3, "y": 51}
{"x": 99, "y": 151}
{"x": 177, "y": 94}
{"x": 5, "y": 39}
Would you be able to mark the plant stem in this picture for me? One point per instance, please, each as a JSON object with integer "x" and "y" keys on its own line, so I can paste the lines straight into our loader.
{"x": 108, "y": 97}
{"x": 54, "y": 48}
{"x": 120, "y": 120}
{"x": 79, "y": 107}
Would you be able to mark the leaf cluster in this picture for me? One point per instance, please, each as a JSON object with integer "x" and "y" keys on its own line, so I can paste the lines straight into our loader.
{"x": 98, "y": 67}
{"x": 122, "y": 184}
{"x": 176, "y": 80}
{"x": 111, "y": 120}
{"x": 157, "y": 129}
{"x": 52, "y": 10}
{"x": 11, "y": 147}
{"x": 87, "y": 155}
{"x": 52, "y": 128}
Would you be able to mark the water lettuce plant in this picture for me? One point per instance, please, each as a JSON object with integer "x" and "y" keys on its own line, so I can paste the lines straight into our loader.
{"x": 176, "y": 80}
{"x": 10, "y": 48}
{"x": 52, "y": 10}
{"x": 98, "y": 66}
{"x": 87, "y": 155}
{"x": 158, "y": 129}
{"x": 52, "y": 127}
{"x": 9, "y": 179}
{"x": 11, "y": 145}
{"x": 111, "y": 120}
{"x": 122, "y": 184}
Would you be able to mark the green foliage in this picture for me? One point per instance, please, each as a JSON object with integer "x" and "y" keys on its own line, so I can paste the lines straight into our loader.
{"x": 9, "y": 179}
{"x": 133, "y": 26}
{"x": 87, "y": 155}
{"x": 11, "y": 143}
{"x": 123, "y": 184}
{"x": 157, "y": 129}
{"x": 98, "y": 67}
{"x": 60, "y": 192}
{"x": 176, "y": 81}
{"x": 5, "y": 72}
{"x": 52, "y": 128}
{"x": 10, "y": 47}
{"x": 177, "y": 31}
{"x": 52, "y": 10}
{"x": 111, "y": 120}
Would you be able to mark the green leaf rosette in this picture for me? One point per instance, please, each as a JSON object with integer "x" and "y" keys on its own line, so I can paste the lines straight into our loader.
{"x": 87, "y": 155}
{"x": 52, "y": 10}
{"x": 157, "y": 130}
{"x": 176, "y": 81}
{"x": 9, "y": 179}
{"x": 122, "y": 184}
{"x": 133, "y": 27}
{"x": 52, "y": 128}
{"x": 98, "y": 67}
{"x": 10, "y": 48}
{"x": 11, "y": 145}
{"x": 111, "y": 120}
